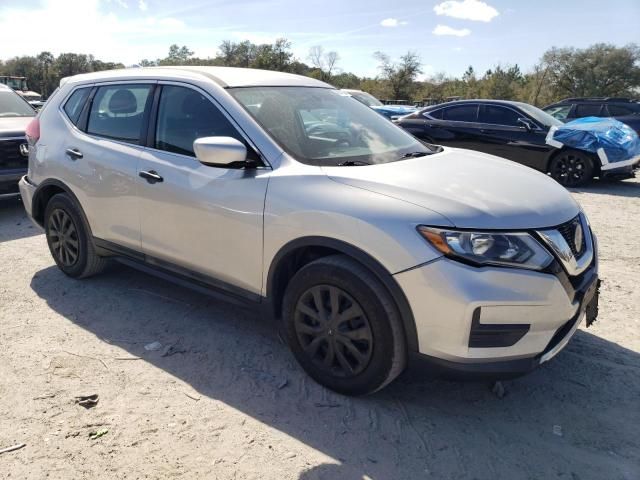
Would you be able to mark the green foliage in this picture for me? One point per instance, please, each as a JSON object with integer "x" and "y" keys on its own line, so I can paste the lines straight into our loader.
{"x": 600, "y": 70}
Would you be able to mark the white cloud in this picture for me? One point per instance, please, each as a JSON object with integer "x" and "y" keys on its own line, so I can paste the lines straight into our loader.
{"x": 392, "y": 22}
{"x": 96, "y": 30}
{"x": 445, "y": 30}
{"x": 467, "y": 10}
{"x": 142, "y": 5}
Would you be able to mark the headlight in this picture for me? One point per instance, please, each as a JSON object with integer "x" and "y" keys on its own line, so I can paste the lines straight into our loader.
{"x": 513, "y": 249}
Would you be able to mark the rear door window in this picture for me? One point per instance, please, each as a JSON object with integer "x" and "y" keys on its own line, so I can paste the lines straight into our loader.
{"x": 496, "y": 115}
{"x": 588, "y": 110}
{"x": 461, "y": 113}
{"x": 117, "y": 112}
{"x": 73, "y": 106}
{"x": 620, "y": 110}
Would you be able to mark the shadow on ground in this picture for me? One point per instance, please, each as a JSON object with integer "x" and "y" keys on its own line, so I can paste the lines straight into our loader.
{"x": 574, "y": 418}
{"x": 14, "y": 220}
{"x": 623, "y": 188}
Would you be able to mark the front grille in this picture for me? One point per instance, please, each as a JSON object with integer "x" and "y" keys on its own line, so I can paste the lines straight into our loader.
{"x": 568, "y": 230}
{"x": 10, "y": 156}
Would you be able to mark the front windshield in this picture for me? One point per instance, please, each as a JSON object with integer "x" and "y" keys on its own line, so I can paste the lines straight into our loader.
{"x": 366, "y": 98}
{"x": 321, "y": 126}
{"x": 540, "y": 115}
{"x": 11, "y": 105}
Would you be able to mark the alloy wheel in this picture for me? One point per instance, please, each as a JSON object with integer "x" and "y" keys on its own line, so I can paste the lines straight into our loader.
{"x": 333, "y": 330}
{"x": 569, "y": 169}
{"x": 63, "y": 238}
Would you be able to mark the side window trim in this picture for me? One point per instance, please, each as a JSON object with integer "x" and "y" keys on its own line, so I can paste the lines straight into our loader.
{"x": 153, "y": 120}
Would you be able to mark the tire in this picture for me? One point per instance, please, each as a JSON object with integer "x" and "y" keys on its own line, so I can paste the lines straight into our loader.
{"x": 69, "y": 241}
{"x": 357, "y": 354}
{"x": 572, "y": 168}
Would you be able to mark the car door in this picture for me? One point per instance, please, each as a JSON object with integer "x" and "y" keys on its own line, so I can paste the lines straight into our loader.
{"x": 504, "y": 135}
{"x": 201, "y": 221}
{"x": 454, "y": 126}
{"x": 101, "y": 149}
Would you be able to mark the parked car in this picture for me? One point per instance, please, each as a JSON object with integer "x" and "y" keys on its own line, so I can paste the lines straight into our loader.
{"x": 624, "y": 109}
{"x": 15, "y": 114}
{"x": 390, "y": 111}
{"x": 512, "y": 130}
{"x": 369, "y": 246}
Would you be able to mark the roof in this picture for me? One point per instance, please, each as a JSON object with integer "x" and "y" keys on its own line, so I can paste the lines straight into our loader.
{"x": 223, "y": 76}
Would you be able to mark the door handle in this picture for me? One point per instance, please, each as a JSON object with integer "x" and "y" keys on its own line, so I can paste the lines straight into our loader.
{"x": 151, "y": 176}
{"x": 74, "y": 153}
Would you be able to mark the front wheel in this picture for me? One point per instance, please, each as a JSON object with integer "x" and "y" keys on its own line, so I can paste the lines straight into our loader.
{"x": 572, "y": 168}
{"x": 343, "y": 326}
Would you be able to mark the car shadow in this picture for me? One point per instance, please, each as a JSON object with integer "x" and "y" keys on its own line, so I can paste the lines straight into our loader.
{"x": 579, "y": 410}
{"x": 16, "y": 223}
{"x": 619, "y": 188}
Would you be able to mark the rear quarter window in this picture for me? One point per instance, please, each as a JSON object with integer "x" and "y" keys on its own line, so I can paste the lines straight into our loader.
{"x": 74, "y": 104}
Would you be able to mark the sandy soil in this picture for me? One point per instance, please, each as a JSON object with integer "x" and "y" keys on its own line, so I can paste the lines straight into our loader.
{"x": 228, "y": 401}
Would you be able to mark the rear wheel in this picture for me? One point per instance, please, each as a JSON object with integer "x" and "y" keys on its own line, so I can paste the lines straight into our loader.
{"x": 343, "y": 326}
{"x": 572, "y": 168}
{"x": 68, "y": 239}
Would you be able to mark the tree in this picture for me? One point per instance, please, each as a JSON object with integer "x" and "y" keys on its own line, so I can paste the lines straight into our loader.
{"x": 401, "y": 76}
{"x": 600, "y": 70}
{"x": 324, "y": 62}
{"x": 177, "y": 56}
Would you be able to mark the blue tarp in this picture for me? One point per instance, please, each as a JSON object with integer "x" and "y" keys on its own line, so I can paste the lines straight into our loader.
{"x": 611, "y": 140}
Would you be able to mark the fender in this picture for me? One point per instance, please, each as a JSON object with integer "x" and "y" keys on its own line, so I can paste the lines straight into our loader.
{"x": 365, "y": 259}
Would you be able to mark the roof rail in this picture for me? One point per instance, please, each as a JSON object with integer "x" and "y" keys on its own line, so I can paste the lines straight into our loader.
{"x": 599, "y": 99}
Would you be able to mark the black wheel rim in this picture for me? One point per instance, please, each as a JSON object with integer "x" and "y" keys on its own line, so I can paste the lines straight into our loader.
{"x": 569, "y": 169}
{"x": 333, "y": 330}
{"x": 63, "y": 238}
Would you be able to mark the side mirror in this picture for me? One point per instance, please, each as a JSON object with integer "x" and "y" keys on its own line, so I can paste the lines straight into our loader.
{"x": 526, "y": 124}
{"x": 220, "y": 151}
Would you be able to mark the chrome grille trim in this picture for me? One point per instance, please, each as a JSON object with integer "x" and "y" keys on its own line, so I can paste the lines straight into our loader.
{"x": 555, "y": 239}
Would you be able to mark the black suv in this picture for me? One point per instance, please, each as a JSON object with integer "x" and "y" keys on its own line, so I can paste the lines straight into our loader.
{"x": 624, "y": 109}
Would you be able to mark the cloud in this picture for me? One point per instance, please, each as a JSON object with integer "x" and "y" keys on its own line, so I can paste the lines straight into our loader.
{"x": 467, "y": 10}
{"x": 445, "y": 30}
{"x": 96, "y": 30}
{"x": 142, "y": 5}
{"x": 392, "y": 22}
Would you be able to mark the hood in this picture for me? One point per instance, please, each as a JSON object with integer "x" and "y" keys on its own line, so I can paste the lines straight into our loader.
{"x": 13, "y": 126}
{"x": 471, "y": 189}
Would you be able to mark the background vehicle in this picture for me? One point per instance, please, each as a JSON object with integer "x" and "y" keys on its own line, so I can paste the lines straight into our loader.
{"x": 624, "y": 109}
{"x": 512, "y": 130}
{"x": 19, "y": 84}
{"x": 279, "y": 190}
{"x": 15, "y": 114}
{"x": 389, "y": 111}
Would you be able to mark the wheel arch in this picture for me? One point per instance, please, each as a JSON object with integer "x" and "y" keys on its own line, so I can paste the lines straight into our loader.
{"x": 45, "y": 191}
{"x": 297, "y": 253}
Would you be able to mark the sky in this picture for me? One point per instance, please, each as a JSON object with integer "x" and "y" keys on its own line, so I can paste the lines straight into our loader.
{"x": 448, "y": 35}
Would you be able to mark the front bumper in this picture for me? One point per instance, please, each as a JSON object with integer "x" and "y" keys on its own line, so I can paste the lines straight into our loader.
{"x": 494, "y": 321}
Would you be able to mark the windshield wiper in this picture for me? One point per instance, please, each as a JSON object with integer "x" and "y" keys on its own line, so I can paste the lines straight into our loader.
{"x": 353, "y": 163}
{"x": 415, "y": 154}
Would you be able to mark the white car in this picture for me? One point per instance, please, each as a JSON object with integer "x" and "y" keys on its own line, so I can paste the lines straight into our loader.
{"x": 370, "y": 247}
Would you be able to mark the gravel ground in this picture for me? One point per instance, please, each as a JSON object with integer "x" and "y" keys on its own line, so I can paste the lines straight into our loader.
{"x": 223, "y": 398}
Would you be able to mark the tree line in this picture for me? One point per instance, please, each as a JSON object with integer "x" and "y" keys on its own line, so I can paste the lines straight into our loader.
{"x": 599, "y": 70}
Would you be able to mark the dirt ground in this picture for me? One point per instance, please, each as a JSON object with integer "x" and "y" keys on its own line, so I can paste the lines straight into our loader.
{"x": 222, "y": 398}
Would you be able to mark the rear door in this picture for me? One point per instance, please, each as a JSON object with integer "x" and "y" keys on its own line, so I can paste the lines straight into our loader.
{"x": 101, "y": 152}
{"x": 455, "y": 126}
{"x": 201, "y": 221}
{"x": 504, "y": 136}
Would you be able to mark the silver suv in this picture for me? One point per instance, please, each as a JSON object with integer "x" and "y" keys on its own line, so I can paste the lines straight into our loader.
{"x": 370, "y": 247}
